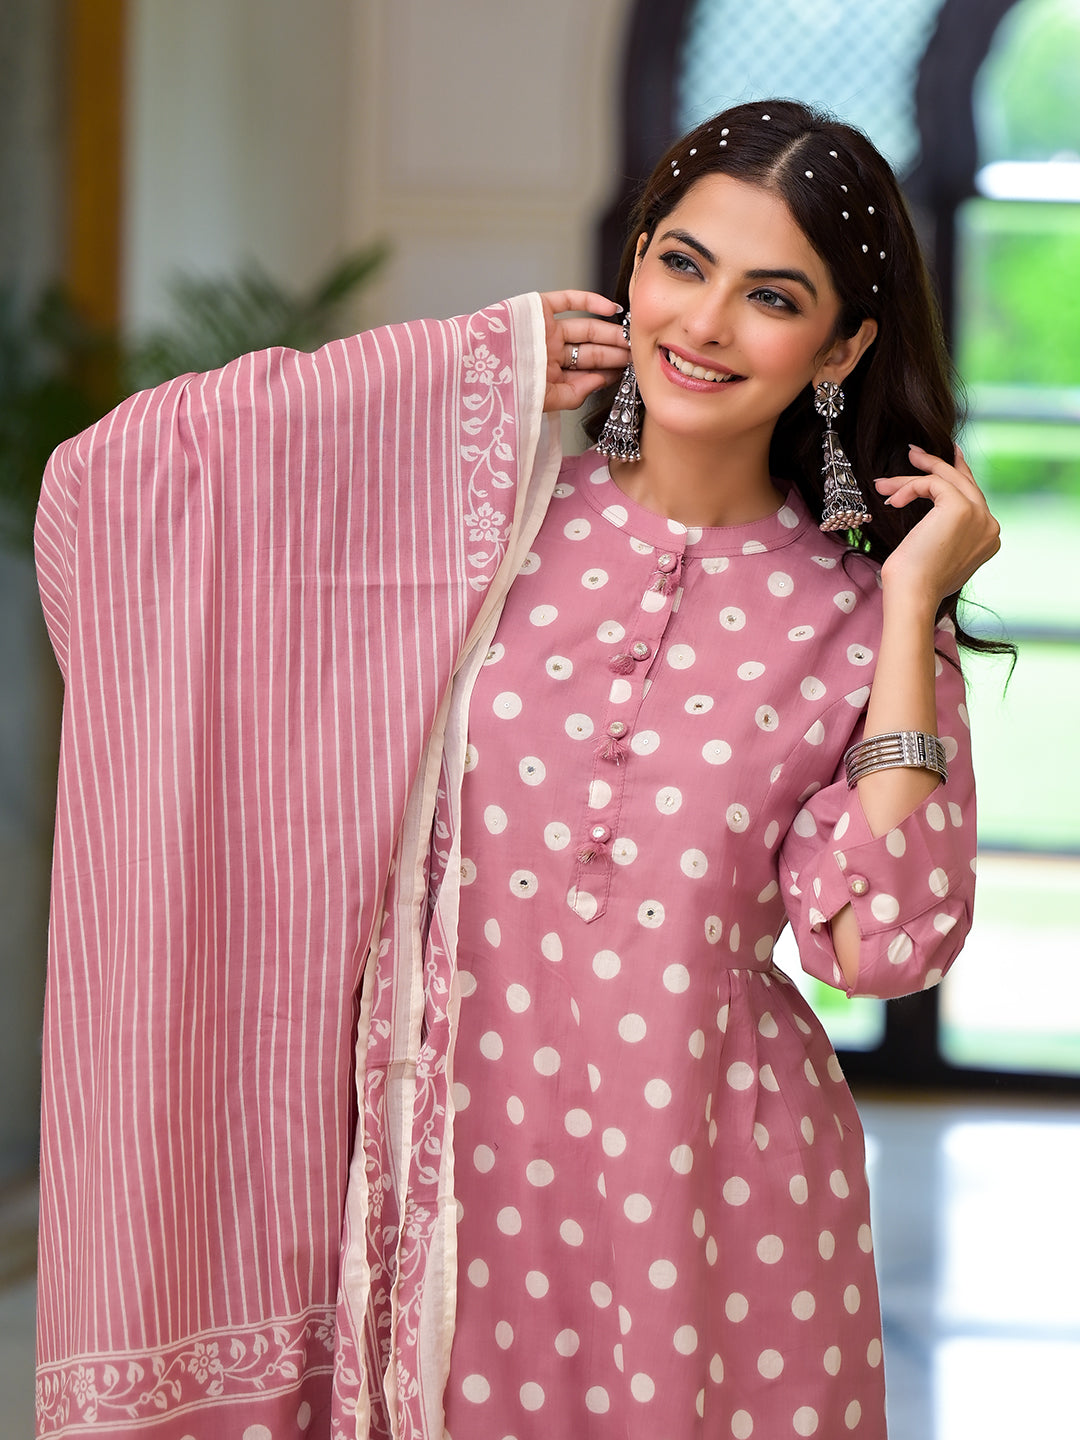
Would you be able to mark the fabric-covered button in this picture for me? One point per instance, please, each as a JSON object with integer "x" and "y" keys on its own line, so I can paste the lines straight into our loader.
{"x": 666, "y": 563}
{"x": 640, "y": 650}
{"x": 600, "y": 832}
{"x": 617, "y": 728}
{"x": 858, "y": 885}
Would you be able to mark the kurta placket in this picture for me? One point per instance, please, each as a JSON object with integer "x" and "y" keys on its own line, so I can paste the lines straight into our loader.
{"x": 636, "y": 646}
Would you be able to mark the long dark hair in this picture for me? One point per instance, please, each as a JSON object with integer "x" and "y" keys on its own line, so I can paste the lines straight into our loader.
{"x": 846, "y": 200}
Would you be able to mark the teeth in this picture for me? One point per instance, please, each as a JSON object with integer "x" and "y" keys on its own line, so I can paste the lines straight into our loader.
{"x": 698, "y": 372}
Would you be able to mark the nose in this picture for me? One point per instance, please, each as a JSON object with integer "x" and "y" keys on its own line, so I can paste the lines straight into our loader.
{"x": 710, "y": 317}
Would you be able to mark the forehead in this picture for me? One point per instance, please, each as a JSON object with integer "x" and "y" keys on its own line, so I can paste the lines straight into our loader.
{"x": 747, "y": 226}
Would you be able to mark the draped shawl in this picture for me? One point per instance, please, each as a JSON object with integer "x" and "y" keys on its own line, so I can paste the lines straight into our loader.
{"x": 259, "y": 584}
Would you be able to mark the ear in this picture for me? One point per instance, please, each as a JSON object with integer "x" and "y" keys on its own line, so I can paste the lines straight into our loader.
{"x": 639, "y": 255}
{"x": 842, "y": 357}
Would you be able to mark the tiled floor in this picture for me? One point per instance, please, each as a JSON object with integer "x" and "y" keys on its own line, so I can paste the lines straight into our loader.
{"x": 978, "y": 1243}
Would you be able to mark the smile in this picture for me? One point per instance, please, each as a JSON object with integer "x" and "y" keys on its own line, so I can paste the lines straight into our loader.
{"x": 697, "y": 372}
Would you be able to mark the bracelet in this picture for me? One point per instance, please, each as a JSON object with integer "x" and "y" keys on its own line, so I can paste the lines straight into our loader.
{"x": 912, "y": 749}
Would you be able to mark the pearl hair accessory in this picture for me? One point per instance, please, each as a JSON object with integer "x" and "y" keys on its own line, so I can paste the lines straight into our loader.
{"x": 676, "y": 171}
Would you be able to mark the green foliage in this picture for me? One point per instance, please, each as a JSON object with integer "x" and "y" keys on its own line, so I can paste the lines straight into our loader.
{"x": 58, "y": 375}
{"x": 216, "y": 319}
{"x": 1020, "y": 296}
{"x": 49, "y": 361}
{"x": 1019, "y": 266}
{"x": 1025, "y": 97}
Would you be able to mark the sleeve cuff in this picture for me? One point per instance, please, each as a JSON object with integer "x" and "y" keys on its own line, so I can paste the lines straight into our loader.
{"x": 892, "y": 879}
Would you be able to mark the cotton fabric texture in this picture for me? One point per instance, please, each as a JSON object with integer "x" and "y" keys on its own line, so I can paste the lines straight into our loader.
{"x": 271, "y": 590}
{"x": 665, "y": 1222}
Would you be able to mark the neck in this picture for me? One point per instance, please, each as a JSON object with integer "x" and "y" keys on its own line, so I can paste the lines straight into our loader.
{"x": 696, "y": 484}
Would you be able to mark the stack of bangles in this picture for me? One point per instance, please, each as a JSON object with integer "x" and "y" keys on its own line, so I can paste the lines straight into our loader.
{"x": 912, "y": 749}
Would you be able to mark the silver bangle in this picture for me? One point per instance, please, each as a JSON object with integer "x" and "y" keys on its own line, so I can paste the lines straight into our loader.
{"x": 912, "y": 749}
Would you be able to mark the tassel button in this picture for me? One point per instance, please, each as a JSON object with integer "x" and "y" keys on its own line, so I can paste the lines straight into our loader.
{"x": 599, "y": 836}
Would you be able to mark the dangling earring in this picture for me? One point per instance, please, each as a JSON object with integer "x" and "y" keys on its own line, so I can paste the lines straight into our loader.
{"x": 844, "y": 507}
{"x": 620, "y": 437}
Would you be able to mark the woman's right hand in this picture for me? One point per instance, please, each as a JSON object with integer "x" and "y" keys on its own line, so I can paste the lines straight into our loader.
{"x": 602, "y": 352}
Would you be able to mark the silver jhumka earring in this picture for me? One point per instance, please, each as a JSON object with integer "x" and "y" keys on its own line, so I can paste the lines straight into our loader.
{"x": 620, "y": 437}
{"x": 844, "y": 507}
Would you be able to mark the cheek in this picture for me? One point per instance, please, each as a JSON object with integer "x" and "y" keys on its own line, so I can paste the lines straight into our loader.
{"x": 644, "y": 305}
{"x": 787, "y": 353}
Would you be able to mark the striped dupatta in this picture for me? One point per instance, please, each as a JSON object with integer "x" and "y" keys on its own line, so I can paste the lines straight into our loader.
{"x": 259, "y": 584}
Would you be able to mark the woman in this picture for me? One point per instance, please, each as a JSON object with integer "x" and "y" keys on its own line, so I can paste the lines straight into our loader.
{"x": 414, "y": 1039}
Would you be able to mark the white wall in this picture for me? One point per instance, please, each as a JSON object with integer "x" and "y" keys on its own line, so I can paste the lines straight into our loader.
{"x": 477, "y": 137}
{"x": 487, "y": 144}
{"x": 235, "y": 139}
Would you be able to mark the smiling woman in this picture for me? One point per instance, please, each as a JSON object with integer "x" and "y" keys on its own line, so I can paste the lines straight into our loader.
{"x": 439, "y": 846}
{"x": 708, "y": 312}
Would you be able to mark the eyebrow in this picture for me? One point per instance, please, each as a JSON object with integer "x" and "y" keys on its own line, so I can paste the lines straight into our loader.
{"x": 798, "y": 277}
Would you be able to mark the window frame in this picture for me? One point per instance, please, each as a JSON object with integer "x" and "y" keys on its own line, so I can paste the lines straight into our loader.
{"x": 943, "y": 178}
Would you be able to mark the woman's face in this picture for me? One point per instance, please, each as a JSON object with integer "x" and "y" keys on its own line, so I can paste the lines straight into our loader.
{"x": 730, "y": 288}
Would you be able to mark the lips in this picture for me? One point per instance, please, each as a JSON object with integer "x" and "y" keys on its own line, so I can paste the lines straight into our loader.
{"x": 691, "y": 371}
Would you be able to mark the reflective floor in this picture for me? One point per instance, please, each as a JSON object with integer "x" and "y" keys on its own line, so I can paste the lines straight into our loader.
{"x": 977, "y": 1224}
{"x": 978, "y": 1250}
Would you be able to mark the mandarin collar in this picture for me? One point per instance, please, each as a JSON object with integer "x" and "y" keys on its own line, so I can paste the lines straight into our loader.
{"x": 771, "y": 532}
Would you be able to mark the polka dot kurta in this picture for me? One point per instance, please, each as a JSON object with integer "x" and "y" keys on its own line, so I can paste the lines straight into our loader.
{"x": 664, "y": 1220}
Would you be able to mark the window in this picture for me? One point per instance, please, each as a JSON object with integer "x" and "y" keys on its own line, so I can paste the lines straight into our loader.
{"x": 1017, "y": 324}
{"x": 973, "y": 102}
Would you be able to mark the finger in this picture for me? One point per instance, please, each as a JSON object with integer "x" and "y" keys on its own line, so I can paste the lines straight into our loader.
{"x": 575, "y": 386}
{"x": 962, "y": 464}
{"x": 959, "y": 475}
{"x": 905, "y": 490}
{"x": 559, "y": 302}
{"x": 593, "y": 357}
{"x": 900, "y": 490}
{"x": 587, "y": 329}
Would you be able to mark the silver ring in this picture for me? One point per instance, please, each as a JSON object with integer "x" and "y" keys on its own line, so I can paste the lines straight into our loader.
{"x": 573, "y": 357}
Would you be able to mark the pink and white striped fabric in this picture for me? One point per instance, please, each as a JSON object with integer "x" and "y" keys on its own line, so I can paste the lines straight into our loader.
{"x": 258, "y": 584}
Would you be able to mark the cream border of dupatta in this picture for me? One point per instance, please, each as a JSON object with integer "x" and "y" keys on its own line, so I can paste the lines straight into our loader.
{"x": 538, "y": 460}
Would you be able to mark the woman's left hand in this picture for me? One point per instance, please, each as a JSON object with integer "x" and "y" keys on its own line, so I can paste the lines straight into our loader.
{"x": 585, "y": 352}
{"x": 942, "y": 552}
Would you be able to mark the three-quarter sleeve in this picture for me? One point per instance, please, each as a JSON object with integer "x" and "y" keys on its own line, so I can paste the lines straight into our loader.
{"x": 912, "y": 889}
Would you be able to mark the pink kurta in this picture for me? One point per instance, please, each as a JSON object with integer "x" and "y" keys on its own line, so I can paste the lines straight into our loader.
{"x": 665, "y": 1221}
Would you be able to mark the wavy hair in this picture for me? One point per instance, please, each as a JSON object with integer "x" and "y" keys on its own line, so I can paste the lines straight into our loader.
{"x": 847, "y": 202}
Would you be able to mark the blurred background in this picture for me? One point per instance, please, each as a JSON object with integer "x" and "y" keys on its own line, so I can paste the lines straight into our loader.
{"x": 182, "y": 182}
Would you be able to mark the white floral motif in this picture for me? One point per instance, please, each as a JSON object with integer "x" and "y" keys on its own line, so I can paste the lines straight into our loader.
{"x": 488, "y": 448}
{"x": 487, "y": 524}
{"x": 250, "y": 1362}
{"x": 204, "y": 1361}
{"x": 480, "y": 366}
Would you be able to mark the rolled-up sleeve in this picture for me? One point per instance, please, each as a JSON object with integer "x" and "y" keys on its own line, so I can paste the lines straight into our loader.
{"x": 912, "y": 889}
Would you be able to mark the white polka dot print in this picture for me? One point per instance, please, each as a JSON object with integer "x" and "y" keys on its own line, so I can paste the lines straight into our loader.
{"x": 599, "y": 794}
{"x": 507, "y": 705}
{"x": 650, "y": 795}
{"x": 645, "y": 742}
{"x": 717, "y": 752}
{"x": 578, "y": 726}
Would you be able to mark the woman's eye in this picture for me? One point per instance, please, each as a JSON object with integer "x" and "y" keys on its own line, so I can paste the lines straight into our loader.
{"x": 680, "y": 263}
{"x": 773, "y": 300}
